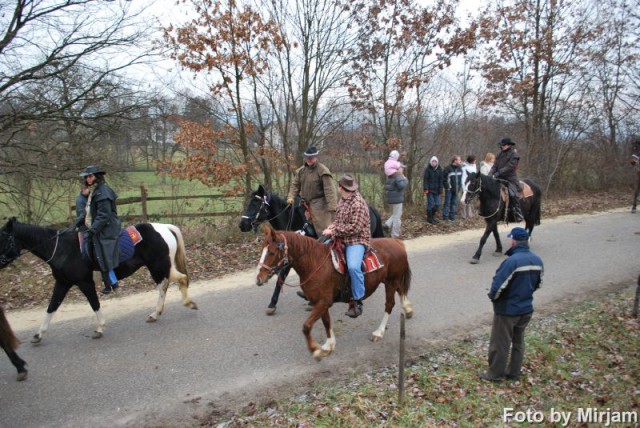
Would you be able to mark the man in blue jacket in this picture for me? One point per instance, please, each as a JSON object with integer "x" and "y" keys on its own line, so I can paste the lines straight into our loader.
{"x": 512, "y": 295}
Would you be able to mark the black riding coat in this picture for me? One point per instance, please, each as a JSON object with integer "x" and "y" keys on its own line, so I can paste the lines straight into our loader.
{"x": 105, "y": 227}
{"x": 505, "y": 165}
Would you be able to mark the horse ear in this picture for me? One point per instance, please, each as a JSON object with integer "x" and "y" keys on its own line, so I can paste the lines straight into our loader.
{"x": 261, "y": 190}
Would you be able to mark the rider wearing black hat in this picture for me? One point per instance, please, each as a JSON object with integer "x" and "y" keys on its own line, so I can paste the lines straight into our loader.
{"x": 505, "y": 168}
{"x": 102, "y": 223}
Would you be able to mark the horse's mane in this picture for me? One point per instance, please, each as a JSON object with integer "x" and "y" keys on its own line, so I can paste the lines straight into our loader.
{"x": 33, "y": 232}
{"x": 491, "y": 184}
{"x": 304, "y": 244}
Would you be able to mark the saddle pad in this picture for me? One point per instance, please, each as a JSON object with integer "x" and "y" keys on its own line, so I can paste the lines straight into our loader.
{"x": 134, "y": 234}
{"x": 526, "y": 192}
{"x": 370, "y": 263}
{"x": 127, "y": 241}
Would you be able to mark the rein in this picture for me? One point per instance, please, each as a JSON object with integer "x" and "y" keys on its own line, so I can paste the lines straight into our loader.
{"x": 13, "y": 253}
{"x": 479, "y": 190}
{"x": 255, "y": 221}
{"x": 285, "y": 259}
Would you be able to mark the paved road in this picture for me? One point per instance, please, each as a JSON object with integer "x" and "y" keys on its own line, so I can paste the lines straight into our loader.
{"x": 229, "y": 352}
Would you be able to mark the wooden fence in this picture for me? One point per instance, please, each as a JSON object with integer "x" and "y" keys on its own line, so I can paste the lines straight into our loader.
{"x": 145, "y": 198}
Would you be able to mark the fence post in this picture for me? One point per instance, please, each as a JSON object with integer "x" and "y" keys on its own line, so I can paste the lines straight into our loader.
{"x": 143, "y": 200}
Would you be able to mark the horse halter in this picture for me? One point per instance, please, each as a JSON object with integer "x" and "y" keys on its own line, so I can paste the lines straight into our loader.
{"x": 283, "y": 255}
{"x": 255, "y": 220}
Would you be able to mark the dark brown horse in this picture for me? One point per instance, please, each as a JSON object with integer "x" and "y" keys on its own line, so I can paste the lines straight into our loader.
{"x": 635, "y": 160}
{"x": 322, "y": 284}
{"x": 9, "y": 342}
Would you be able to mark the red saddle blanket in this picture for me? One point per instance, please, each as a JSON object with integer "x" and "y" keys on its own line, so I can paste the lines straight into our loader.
{"x": 370, "y": 263}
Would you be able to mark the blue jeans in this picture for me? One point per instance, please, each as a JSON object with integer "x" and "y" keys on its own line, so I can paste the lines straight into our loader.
{"x": 433, "y": 201}
{"x": 450, "y": 204}
{"x": 354, "y": 255}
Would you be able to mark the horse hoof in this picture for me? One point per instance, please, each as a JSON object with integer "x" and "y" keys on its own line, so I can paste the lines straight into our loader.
{"x": 408, "y": 314}
{"x": 317, "y": 355}
{"x": 497, "y": 253}
{"x": 36, "y": 339}
{"x": 271, "y": 311}
{"x": 474, "y": 261}
{"x": 192, "y": 305}
{"x": 151, "y": 319}
{"x": 376, "y": 338}
{"x": 308, "y": 307}
{"x": 96, "y": 335}
{"x": 22, "y": 376}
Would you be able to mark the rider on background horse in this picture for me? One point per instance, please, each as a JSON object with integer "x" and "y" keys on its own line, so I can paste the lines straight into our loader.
{"x": 505, "y": 168}
{"x": 314, "y": 183}
{"x": 102, "y": 225}
{"x": 352, "y": 228}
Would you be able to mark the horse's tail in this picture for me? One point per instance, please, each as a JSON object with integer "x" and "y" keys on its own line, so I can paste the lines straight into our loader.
{"x": 406, "y": 281}
{"x": 536, "y": 206}
{"x": 8, "y": 340}
{"x": 181, "y": 253}
{"x": 376, "y": 223}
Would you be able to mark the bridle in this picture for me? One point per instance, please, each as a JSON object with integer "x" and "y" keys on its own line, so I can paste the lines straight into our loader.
{"x": 264, "y": 204}
{"x": 283, "y": 255}
{"x": 12, "y": 252}
{"x": 477, "y": 191}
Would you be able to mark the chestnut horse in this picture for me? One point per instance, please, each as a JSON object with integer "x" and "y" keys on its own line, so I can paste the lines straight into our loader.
{"x": 635, "y": 160}
{"x": 9, "y": 342}
{"x": 322, "y": 284}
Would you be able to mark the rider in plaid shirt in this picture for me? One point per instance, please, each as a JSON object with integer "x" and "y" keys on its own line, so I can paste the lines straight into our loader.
{"x": 351, "y": 226}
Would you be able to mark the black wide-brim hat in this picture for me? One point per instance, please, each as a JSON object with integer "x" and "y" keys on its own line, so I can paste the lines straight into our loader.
{"x": 95, "y": 170}
{"x": 311, "y": 152}
{"x": 506, "y": 141}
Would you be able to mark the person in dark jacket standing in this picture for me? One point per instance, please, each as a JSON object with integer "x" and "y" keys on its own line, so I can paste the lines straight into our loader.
{"x": 505, "y": 168}
{"x": 452, "y": 180}
{"x": 103, "y": 225}
{"x": 394, "y": 188}
{"x": 512, "y": 295}
{"x": 432, "y": 182}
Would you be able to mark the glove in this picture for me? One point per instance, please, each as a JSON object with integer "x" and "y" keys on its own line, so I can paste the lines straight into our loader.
{"x": 91, "y": 232}
{"x": 496, "y": 175}
{"x": 290, "y": 201}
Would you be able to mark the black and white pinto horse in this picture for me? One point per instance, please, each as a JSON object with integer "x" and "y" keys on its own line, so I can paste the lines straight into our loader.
{"x": 635, "y": 161}
{"x": 9, "y": 342}
{"x": 266, "y": 206}
{"x": 161, "y": 250}
{"x": 493, "y": 207}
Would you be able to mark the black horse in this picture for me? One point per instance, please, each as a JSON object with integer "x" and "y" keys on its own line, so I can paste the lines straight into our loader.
{"x": 493, "y": 207}
{"x": 161, "y": 250}
{"x": 266, "y": 206}
{"x": 9, "y": 342}
{"x": 635, "y": 161}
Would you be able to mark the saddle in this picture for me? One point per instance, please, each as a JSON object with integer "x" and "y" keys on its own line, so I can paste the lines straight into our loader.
{"x": 526, "y": 192}
{"x": 129, "y": 238}
{"x": 370, "y": 262}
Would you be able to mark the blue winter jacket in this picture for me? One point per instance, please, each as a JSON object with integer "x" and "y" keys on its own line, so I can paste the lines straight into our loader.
{"x": 515, "y": 281}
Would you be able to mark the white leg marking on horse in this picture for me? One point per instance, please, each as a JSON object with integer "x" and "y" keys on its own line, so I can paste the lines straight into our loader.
{"x": 330, "y": 344}
{"x": 162, "y": 295}
{"x": 407, "y": 306}
{"x": 43, "y": 327}
{"x": 379, "y": 333}
{"x": 101, "y": 325}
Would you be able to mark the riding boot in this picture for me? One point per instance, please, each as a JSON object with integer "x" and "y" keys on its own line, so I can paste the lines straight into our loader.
{"x": 110, "y": 282}
{"x": 355, "y": 308}
{"x": 517, "y": 211}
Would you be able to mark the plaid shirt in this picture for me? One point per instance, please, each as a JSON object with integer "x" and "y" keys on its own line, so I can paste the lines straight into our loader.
{"x": 352, "y": 222}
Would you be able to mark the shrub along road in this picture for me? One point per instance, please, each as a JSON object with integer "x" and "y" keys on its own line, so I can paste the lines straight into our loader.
{"x": 228, "y": 353}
